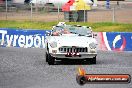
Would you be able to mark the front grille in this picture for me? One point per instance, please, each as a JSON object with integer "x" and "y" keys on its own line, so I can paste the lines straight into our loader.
{"x": 65, "y": 49}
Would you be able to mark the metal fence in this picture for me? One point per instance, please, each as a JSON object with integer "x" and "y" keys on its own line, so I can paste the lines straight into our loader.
{"x": 121, "y": 13}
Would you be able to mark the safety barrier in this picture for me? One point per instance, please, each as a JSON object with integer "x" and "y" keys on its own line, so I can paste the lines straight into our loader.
{"x": 116, "y": 41}
{"x": 22, "y": 38}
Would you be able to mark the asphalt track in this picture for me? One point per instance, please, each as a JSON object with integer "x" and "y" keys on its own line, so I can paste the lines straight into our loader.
{"x": 26, "y": 68}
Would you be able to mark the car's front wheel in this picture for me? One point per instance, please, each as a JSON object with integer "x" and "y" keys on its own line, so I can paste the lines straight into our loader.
{"x": 46, "y": 56}
{"x": 50, "y": 59}
{"x": 93, "y": 60}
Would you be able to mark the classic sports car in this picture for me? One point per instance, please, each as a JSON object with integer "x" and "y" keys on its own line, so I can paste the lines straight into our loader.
{"x": 70, "y": 42}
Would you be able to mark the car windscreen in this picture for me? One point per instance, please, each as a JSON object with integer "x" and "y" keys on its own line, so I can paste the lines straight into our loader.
{"x": 57, "y": 29}
{"x": 80, "y": 30}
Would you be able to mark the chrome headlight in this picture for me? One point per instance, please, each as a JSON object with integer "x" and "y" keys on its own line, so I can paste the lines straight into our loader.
{"x": 53, "y": 44}
{"x": 92, "y": 45}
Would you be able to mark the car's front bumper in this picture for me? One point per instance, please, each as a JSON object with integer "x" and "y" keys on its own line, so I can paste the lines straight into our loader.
{"x": 78, "y": 56}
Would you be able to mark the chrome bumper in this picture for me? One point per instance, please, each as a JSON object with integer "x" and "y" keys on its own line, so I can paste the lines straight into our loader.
{"x": 80, "y": 56}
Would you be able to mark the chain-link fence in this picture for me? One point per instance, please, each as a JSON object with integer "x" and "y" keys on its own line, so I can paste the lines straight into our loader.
{"x": 49, "y": 12}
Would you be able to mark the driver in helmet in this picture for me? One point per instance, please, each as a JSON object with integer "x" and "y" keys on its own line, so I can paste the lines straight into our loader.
{"x": 64, "y": 31}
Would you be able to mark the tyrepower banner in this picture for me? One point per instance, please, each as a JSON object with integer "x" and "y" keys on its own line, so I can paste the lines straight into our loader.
{"x": 115, "y": 41}
{"x": 22, "y": 38}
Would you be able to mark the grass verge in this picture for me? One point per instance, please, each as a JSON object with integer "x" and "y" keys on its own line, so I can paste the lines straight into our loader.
{"x": 97, "y": 27}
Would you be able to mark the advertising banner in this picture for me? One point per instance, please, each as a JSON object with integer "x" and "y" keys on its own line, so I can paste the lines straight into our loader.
{"x": 116, "y": 41}
{"x": 22, "y": 38}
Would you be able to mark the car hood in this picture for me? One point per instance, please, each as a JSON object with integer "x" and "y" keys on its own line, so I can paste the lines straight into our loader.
{"x": 81, "y": 41}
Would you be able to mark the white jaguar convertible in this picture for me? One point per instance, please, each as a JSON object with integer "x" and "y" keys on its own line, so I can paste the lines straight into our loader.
{"x": 70, "y": 42}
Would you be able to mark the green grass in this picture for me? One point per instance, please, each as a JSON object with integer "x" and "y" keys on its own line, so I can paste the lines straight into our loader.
{"x": 97, "y": 27}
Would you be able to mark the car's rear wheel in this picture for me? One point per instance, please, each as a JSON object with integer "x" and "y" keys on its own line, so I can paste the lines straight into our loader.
{"x": 51, "y": 60}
